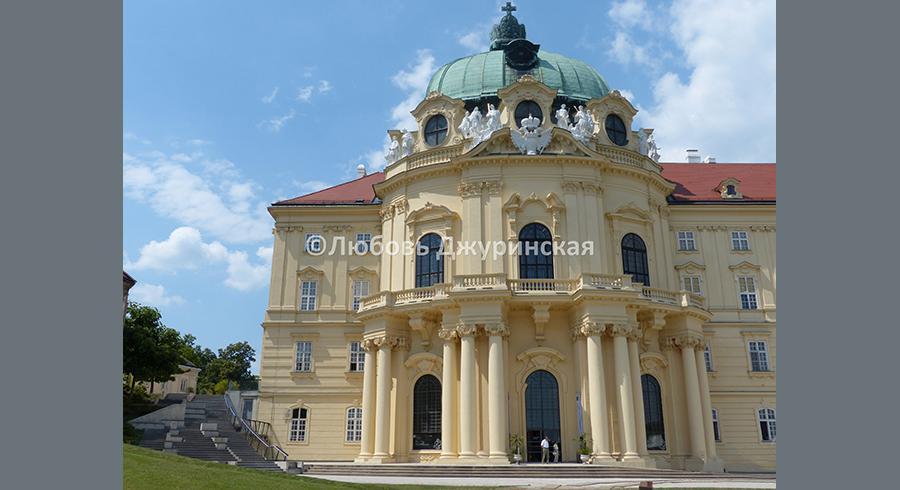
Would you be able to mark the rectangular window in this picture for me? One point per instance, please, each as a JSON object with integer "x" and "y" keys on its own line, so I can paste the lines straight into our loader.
{"x": 747, "y": 288}
{"x": 759, "y": 355}
{"x": 739, "y": 240}
{"x": 308, "y": 295}
{"x": 304, "y": 356}
{"x": 298, "y": 425}
{"x": 313, "y": 243}
{"x": 686, "y": 241}
{"x": 767, "y": 424}
{"x": 354, "y": 424}
{"x": 715, "y": 420}
{"x": 691, "y": 283}
{"x": 707, "y": 357}
{"x": 360, "y": 291}
{"x": 357, "y": 357}
{"x": 363, "y": 243}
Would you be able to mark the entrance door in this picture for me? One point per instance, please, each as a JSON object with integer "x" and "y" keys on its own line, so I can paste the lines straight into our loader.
{"x": 541, "y": 414}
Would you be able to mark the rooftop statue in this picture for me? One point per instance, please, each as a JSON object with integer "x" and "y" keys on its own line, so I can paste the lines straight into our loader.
{"x": 407, "y": 144}
{"x": 562, "y": 118}
{"x": 584, "y": 125}
{"x": 648, "y": 144}
{"x": 393, "y": 152}
{"x": 492, "y": 122}
{"x": 530, "y": 139}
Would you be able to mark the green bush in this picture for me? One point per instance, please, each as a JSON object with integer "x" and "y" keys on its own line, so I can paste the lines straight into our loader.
{"x": 130, "y": 435}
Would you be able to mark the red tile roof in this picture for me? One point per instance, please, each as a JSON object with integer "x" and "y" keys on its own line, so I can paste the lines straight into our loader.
{"x": 358, "y": 191}
{"x": 694, "y": 182}
{"x": 698, "y": 181}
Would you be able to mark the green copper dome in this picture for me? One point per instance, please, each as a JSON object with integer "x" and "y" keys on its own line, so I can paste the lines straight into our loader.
{"x": 511, "y": 56}
{"x": 482, "y": 75}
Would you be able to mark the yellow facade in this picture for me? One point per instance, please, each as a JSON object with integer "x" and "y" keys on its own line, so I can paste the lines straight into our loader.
{"x": 482, "y": 330}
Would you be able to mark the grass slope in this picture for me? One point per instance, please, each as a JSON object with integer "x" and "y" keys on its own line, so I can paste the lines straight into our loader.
{"x": 152, "y": 470}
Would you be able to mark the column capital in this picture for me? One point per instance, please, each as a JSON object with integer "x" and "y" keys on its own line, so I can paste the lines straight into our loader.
{"x": 368, "y": 345}
{"x": 466, "y": 329}
{"x": 618, "y": 329}
{"x": 636, "y": 333}
{"x": 687, "y": 340}
{"x": 391, "y": 341}
{"x": 588, "y": 328}
{"x": 448, "y": 334}
{"x": 497, "y": 328}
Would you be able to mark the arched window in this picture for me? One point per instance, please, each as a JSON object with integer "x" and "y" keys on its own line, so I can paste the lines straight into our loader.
{"x": 535, "y": 258}
{"x": 429, "y": 261}
{"x": 615, "y": 130}
{"x": 634, "y": 259}
{"x": 354, "y": 424}
{"x": 427, "y": 413}
{"x": 653, "y": 413}
{"x": 528, "y": 108}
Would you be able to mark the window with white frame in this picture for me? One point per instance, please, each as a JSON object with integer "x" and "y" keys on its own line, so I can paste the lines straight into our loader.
{"x": 747, "y": 292}
{"x": 298, "y": 425}
{"x": 357, "y": 357}
{"x": 184, "y": 385}
{"x": 304, "y": 357}
{"x": 354, "y": 424}
{"x": 767, "y": 424}
{"x": 691, "y": 283}
{"x": 360, "y": 291}
{"x": 715, "y": 421}
{"x": 759, "y": 355}
{"x": 308, "y": 291}
{"x": 707, "y": 357}
{"x": 686, "y": 241}
{"x": 363, "y": 243}
{"x": 313, "y": 243}
{"x": 739, "y": 240}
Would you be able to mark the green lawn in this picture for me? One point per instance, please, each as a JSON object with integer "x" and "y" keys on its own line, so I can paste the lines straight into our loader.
{"x": 152, "y": 470}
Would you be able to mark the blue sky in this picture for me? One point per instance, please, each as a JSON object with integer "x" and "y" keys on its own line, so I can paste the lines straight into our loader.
{"x": 229, "y": 106}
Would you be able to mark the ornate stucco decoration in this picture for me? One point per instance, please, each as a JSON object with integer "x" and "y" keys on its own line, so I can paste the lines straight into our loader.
{"x": 530, "y": 138}
{"x": 526, "y": 88}
{"x": 425, "y": 325}
{"x": 310, "y": 273}
{"x": 541, "y": 315}
{"x": 453, "y": 109}
{"x": 425, "y": 363}
{"x": 551, "y": 203}
{"x": 431, "y": 217}
{"x": 541, "y": 357}
{"x": 613, "y": 103}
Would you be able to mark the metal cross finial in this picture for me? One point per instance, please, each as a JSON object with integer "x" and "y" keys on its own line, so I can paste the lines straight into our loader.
{"x": 509, "y": 8}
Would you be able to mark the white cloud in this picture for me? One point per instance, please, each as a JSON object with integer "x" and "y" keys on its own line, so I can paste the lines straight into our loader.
{"x": 153, "y": 295}
{"x": 269, "y": 98}
{"x": 185, "y": 249}
{"x": 630, "y": 13}
{"x": 213, "y": 197}
{"x": 626, "y": 50}
{"x": 476, "y": 41}
{"x": 305, "y": 93}
{"x": 324, "y": 86}
{"x": 276, "y": 123}
{"x": 726, "y": 105}
{"x": 414, "y": 80}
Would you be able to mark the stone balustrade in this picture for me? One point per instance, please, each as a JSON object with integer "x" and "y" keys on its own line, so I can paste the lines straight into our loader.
{"x": 462, "y": 284}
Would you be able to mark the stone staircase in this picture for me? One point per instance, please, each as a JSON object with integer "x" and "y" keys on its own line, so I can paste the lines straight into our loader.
{"x": 208, "y": 435}
{"x": 517, "y": 471}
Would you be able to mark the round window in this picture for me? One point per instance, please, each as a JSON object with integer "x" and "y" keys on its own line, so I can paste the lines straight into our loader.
{"x": 615, "y": 129}
{"x": 435, "y": 130}
{"x": 528, "y": 108}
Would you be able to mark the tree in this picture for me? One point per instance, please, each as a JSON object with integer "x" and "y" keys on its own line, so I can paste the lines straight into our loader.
{"x": 151, "y": 351}
{"x": 231, "y": 364}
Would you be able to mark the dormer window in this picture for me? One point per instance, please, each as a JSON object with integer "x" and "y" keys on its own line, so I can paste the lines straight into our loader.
{"x": 730, "y": 188}
{"x": 615, "y": 130}
{"x": 435, "y": 130}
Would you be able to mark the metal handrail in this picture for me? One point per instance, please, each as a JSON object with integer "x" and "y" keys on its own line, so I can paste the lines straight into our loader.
{"x": 269, "y": 451}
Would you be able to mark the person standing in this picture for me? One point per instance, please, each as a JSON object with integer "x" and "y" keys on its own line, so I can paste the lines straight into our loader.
{"x": 545, "y": 450}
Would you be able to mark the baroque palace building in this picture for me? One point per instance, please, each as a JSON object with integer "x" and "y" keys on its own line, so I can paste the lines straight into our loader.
{"x": 632, "y": 301}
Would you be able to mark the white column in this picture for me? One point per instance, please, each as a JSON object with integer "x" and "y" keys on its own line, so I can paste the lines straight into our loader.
{"x": 497, "y": 393}
{"x": 599, "y": 416}
{"x": 368, "y": 402}
{"x": 400, "y": 407}
{"x": 624, "y": 390}
{"x": 692, "y": 392}
{"x": 467, "y": 406}
{"x": 637, "y": 392}
{"x": 383, "y": 398}
{"x": 448, "y": 395}
{"x": 705, "y": 403}
{"x": 581, "y": 379}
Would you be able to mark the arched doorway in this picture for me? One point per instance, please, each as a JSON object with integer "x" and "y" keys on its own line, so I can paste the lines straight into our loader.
{"x": 541, "y": 414}
{"x": 653, "y": 413}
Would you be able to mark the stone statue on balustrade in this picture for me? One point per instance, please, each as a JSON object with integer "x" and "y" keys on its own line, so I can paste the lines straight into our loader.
{"x": 562, "y": 118}
{"x": 393, "y": 152}
{"x": 584, "y": 125}
{"x": 407, "y": 144}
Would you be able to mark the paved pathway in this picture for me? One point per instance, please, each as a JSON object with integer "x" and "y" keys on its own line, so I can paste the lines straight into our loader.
{"x": 593, "y": 483}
